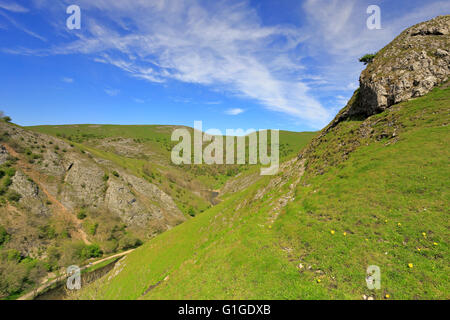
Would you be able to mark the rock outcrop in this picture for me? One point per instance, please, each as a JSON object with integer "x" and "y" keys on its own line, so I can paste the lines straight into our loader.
{"x": 409, "y": 67}
{"x": 51, "y": 173}
{"x": 414, "y": 63}
{"x": 32, "y": 198}
{"x": 3, "y": 155}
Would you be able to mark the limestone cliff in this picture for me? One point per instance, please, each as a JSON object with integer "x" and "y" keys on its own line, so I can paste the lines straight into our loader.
{"x": 409, "y": 67}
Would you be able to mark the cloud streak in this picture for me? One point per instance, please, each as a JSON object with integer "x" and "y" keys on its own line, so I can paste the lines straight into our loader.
{"x": 13, "y": 7}
{"x": 67, "y": 80}
{"x": 20, "y": 26}
{"x": 112, "y": 92}
{"x": 234, "y": 111}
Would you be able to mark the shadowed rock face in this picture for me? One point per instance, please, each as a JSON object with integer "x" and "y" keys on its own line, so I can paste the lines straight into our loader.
{"x": 409, "y": 67}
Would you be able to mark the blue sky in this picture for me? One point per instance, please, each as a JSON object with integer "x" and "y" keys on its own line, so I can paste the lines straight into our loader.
{"x": 232, "y": 64}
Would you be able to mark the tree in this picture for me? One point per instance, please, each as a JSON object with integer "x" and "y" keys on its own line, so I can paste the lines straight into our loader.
{"x": 12, "y": 277}
{"x": 7, "y": 119}
{"x": 82, "y": 214}
{"x": 368, "y": 58}
{"x": 91, "y": 251}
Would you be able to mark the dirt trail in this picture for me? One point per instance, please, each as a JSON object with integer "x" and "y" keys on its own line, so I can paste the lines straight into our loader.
{"x": 57, "y": 205}
{"x": 35, "y": 292}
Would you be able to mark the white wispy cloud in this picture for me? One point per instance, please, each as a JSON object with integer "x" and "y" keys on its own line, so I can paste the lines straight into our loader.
{"x": 13, "y": 7}
{"x": 137, "y": 100}
{"x": 234, "y": 111}
{"x": 19, "y": 26}
{"x": 223, "y": 45}
{"x": 67, "y": 80}
{"x": 112, "y": 92}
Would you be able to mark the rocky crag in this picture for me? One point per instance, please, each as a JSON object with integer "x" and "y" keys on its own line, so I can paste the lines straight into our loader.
{"x": 55, "y": 181}
{"x": 409, "y": 67}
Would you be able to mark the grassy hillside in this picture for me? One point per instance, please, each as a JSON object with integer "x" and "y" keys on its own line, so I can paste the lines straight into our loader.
{"x": 145, "y": 151}
{"x": 374, "y": 192}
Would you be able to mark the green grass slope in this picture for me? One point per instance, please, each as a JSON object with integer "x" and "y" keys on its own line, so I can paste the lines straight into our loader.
{"x": 375, "y": 192}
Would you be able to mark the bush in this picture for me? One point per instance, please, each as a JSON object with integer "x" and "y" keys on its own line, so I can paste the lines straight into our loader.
{"x": 53, "y": 256}
{"x": 71, "y": 253}
{"x": 368, "y": 58}
{"x": 82, "y": 214}
{"x": 116, "y": 174}
{"x": 13, "y": 196}
{"x": 4, "y": 137}
{"x": 65, "y": 234}
{"x": 93, "y": 229}
{"x": 17, "y": 276}
{"x": 129, "y": 242}
{"x": 10, "y": 172}
{"x": 12, "y": 255}
{"x": 47, "y": 232}
{"x": 7, "y": 119}
{"x": 91, "y": 251}
{"x": 105, "y": 177}
{"x": 4, "y": 236}
{"x": 7, "y": 182}
{"x": 12, "y": 278}
{"x": 110, "y": 246}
